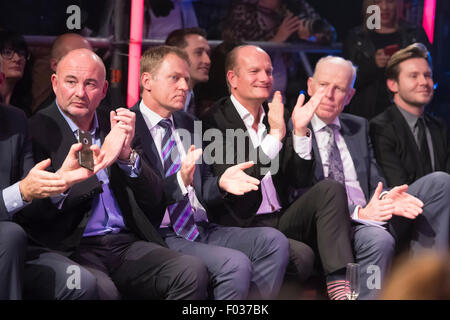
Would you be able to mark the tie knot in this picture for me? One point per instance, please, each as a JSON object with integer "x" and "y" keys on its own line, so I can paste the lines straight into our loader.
{"x": 165, "y": 123}
{"x": 330, "y": 128}
{"x": 420, "y": 122}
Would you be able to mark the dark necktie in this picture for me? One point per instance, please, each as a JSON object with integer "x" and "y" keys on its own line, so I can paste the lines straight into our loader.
{"x": 423, "y": 146}
{"x": 336, "y": 168}
{"x": 181, "y": 213}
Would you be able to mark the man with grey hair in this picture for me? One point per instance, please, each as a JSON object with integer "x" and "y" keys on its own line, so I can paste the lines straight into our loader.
{"x": 416, "y": 216}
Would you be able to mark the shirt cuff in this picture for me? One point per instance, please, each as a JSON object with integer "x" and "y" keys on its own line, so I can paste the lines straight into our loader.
{"x": 382, "y": 194}
{"x": 183, "y": 188}
{"x": 271, "y": 146}
{"x": 13, "y": 199}
{"x": 355, "y": 212}
{"x": 132, "y": 171}
{"x": 58, "y": 200}
{"x": 302, "y": 146}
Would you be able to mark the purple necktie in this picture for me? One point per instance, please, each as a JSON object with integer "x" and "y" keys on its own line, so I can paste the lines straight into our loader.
{"x": 181, "y": 213}
{"x": 336, "y": 168}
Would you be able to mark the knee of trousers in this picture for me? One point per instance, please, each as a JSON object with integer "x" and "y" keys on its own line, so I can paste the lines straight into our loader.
{"x": 237, "y": 271}
{"x": 331, "y": 190}
{"x": 13, "y": 239}
{"x": 86, "y": 290}
{"x": 436, "y": 182}
{"x": 275, "y": 242}
{"x": 381, "y": 243}
{"x": 192, "y": 275}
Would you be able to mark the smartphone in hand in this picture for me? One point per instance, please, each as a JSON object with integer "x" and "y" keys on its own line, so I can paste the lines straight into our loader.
{"x": 85, "y": 156}
{"x": 391, "y": 49}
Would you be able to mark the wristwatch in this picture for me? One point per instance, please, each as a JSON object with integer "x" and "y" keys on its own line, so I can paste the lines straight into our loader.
{"x": 133, "y": 157}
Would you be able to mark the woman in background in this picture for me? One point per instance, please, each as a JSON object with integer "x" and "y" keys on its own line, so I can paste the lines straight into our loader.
{"x": 370, "y": 51}
{"x": 16, "y": 90}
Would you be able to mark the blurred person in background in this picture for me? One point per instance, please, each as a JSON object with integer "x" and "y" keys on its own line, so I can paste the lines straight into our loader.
{"x": 370, "y": 50}
{"x": 16, "y": 90}
{"x": 425, "y": 277}
{"x": 277, "y": 21}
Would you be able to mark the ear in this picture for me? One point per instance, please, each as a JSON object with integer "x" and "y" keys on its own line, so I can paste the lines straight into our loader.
{"x": 146, "y": 81}
{"x": 349, "y": 96}
{"x": 53, "y": 64}
{"x": 54, "y": 79}
{"x": 392, "y": 85}
{"x": 310, "y": 86}
{"x": 231, "y": 76}
{"x": 105, "y": 88}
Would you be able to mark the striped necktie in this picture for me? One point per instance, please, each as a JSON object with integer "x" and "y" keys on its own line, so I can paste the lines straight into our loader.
{"x": 181, "y": 213}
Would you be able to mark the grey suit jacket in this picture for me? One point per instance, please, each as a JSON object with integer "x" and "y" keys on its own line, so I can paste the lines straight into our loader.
{"x": 355, "y": 131}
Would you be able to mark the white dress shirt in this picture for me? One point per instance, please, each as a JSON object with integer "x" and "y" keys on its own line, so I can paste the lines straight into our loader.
{"x": 271, "y": 147}
{"x": 152, "y": 119}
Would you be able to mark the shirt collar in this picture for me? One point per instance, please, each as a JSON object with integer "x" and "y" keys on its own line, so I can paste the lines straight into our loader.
{"x": 318, "y": 124}
{"x": 151, "y": 118}
{"x": 74, "y": 127}
{"x": 410, "y": 118}
{"x": 245, "y": 115}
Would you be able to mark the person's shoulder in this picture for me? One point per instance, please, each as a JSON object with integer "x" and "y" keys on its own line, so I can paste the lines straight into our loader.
{"x": 218, "y": 107}
{"x": 385, "y": 117}
{"x": 12, "y": 113}
{"x": 12, "y": 119}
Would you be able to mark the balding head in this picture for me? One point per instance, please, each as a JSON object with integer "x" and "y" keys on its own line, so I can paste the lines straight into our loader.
{"x": 79, "y": 85}
{"x": 64, "y": 44}
{"x": 328, "y": 60}
{"x": 336, "y": 77}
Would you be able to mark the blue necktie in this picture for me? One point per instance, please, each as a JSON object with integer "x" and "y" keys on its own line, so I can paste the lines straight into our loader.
{"x": 181, "y": 213}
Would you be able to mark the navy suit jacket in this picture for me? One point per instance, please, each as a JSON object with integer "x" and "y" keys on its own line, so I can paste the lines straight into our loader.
{"x": 355, "y": 131}
{"x": 206, "y": 185}
{"x": 16, "y": 158}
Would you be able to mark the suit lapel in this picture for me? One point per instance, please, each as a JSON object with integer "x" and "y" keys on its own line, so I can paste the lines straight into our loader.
{"x": 438, "y": 147}
{"x": 146, "y": 141}
{"x": 318, "y": 170}
{"x": 183, "y": 121}
{"x": 353, "y": 140}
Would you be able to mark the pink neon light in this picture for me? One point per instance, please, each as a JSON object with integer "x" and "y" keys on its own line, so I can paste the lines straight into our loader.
{"x": 134, "y": 53}
{"x": 429, "y": 10}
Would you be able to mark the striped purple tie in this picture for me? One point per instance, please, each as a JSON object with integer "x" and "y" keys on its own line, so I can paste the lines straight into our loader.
{"x": 181, "y": 213}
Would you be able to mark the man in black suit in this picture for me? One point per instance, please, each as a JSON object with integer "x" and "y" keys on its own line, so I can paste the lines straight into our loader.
{"x": 22, "y": 182}
{"x": 102, "y": 225}
{"x": 242, "y": 263}
{"x": 320, "y": 217}
{"x": 343, "y": 152}
{"x": 408, "y": 142}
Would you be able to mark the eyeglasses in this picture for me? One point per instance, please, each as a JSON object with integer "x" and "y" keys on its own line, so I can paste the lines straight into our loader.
{"x": 8, "y": 54}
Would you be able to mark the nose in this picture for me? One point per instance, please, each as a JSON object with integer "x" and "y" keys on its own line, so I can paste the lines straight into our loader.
{"x": 206, "y": 59}
{"x": 329, "y": 91}
{"x": 183, "y": 84}
{"x": 80, "y": 90}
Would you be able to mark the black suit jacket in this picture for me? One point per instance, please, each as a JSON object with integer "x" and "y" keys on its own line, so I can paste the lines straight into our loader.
{"x": 63, "y": 229}
{"x": 16, "y": 158}
{"x": 206, "y": 185}
{"x": 292, "y": 170}
{"x": 396, "y": 149}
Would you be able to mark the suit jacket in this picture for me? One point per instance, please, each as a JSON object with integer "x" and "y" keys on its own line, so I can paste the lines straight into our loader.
{"x": 291, "y": 170}
{"x": 355, "y": 131}
{"x": 63, "y": 229}
{"x": 16, "y": 158}
{"x": 206, "y": 185}
{"x": 396, "y": 149}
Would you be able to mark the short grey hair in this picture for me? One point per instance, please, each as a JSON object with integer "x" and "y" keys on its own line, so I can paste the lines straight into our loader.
{"x": 340, "y": 60}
